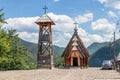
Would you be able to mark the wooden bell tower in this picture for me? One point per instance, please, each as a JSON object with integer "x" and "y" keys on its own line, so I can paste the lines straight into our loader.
{"x": 45, "y": 49}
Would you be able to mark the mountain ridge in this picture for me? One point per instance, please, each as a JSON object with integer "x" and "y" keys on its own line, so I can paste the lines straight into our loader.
{"x": 96, "y": 46}
{"x": 98, "y": 51}
{"x": 104, "y": 53}
{"x": 33, "y": 47}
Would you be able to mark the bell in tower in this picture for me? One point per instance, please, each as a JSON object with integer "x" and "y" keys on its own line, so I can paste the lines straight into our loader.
{"x": 45, "y": 49}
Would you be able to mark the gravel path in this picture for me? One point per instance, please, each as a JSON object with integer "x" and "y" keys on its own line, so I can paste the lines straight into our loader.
{"x": 61, "y": 74}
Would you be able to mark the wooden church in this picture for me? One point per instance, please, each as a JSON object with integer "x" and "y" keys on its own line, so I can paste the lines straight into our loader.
{"x": 75, "y": 54}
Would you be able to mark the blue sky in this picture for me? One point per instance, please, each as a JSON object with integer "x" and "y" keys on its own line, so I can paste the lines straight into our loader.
{"x": 97, "y": 19}
{"x": 27, "y": 8}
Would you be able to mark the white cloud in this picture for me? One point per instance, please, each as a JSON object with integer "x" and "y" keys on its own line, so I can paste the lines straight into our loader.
{"x": 56, "y": 0}
{"x": 25, "y": 26}
{"x": 102, "y": 1}
{"x": 82, "y": 32}
{"x": 67, "y": 35}
{"x": 63, "y": 22}
{"x": 88, "y": 38}
{"x": 31, "y": 37}
{"x": 62, "y": 31}
{"x": 84, "y": 18}
{"x": 103, "y": 26}
{"x": 62, "y": 39}
{"x": 111, "y": 3}
{"x": 96, "y": 38}
{"x": 28, "y": 30}
{"x": 112, "y": 14}
{"x": 22, "y": 24}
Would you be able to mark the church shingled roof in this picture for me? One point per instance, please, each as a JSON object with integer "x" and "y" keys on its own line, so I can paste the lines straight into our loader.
{"x": 81, "y": 48}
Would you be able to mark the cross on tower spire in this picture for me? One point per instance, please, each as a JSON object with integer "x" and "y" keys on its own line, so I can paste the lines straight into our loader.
{"x": 45, "y": 8}
{"x": 75, "y": 26}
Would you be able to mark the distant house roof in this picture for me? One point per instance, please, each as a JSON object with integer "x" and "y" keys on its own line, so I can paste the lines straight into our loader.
{"x": 43, "y": 19}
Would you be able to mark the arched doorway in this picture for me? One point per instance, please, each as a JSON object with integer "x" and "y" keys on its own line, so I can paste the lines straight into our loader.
{"x": 75, "y": 61}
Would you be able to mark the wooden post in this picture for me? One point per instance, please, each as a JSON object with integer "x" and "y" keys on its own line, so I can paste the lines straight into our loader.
{"x": 114, "y": 52}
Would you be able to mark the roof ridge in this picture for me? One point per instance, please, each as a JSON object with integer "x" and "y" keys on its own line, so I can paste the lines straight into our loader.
{"x": 80, "y": 45}
{"x": 44, "y": 18}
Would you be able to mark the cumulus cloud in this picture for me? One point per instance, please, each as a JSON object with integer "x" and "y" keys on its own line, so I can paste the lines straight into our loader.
{"x": 22, "y": 24}
{"x": 56, "y": 0}
{"x": 103, "y": 26}
{"x": 62, "y": 31}
{"x": 31, "y": 37}
{"x": 28, "y": 30}
{"x": 111, "y": 3}
{"x": 84, "y": 18}
{"x": 63, "y": 22}
{"x": 112, "y": 14}
{"x": 64, "y": 28}
{"x": 62, "y": 39}
{"x": 96, "y": 38}
{"x": 88, "y": 38}
{"x": 67, "y": 35}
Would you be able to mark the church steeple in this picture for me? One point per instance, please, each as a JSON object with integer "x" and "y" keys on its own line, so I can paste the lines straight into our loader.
{"x": 75, "y": 29}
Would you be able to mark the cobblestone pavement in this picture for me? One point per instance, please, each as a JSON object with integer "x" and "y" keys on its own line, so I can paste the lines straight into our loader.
{"x": 61, "y": 74}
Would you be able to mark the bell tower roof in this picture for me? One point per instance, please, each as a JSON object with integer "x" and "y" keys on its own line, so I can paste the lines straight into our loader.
{"x": 44, "y": 18}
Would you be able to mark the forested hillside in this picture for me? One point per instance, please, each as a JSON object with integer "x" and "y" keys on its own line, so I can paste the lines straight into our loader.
{"x": 95, "y": 46}
{"x": 104, "y": 53}
{"x": 98, "y": 52}
{"x": 33, "y": 47}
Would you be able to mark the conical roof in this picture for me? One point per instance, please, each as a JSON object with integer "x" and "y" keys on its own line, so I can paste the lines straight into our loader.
{"x": 44, "y": 19}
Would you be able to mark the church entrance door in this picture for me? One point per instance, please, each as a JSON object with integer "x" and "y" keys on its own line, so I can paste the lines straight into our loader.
{"x": 75, "y": 61}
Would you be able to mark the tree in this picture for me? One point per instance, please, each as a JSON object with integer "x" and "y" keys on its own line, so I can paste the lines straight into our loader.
{"x": 13, "y": 56}
{"x": 2, "y": 20}
{"x": 58, "y": 61}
